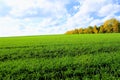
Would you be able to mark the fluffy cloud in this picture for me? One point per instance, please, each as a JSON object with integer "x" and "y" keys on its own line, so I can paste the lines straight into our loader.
{"x": 93, "y": 12}
{"x": 36, "y": 17}
{"x": 20, "y": 8}
{"x": 7, "y": 27}
{"x": 104, "y": 11}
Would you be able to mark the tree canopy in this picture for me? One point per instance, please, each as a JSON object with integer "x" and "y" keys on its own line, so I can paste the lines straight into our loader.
{"x": 109, "y": 26}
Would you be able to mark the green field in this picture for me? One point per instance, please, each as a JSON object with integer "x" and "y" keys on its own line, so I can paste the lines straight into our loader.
{"x": 65, "y": 57}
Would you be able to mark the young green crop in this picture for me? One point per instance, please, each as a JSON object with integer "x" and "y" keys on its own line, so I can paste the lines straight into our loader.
{"x": 77, "y": 57}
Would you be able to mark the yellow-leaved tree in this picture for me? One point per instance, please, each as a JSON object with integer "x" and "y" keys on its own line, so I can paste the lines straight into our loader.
{"x": 95, "y": 30}
{"x": 111, "y": 25}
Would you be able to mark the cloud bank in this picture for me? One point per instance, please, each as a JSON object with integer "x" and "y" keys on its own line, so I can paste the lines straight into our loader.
{"x": 38, "y": 17}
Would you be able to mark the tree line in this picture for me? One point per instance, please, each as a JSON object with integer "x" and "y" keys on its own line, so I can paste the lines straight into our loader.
{"x": 109, "y": 26}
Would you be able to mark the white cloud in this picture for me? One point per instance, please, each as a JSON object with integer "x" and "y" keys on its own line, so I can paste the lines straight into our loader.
{"x": 97, "y": 22}
{"x": 34, "y": 17}
{"x": 88, "y": 6}
{"x": 89, "y": 9}
{"x": 76, "y": 7}
{"x": 15, "y": 27}
{"x": 19, "y": 7}
{"x": 26, "y": 7}
{"x": 12, "y": 24}
{"x": 7, "y": 27}
{"x": 82, "y": 18}
{"x": 109, "y": 9}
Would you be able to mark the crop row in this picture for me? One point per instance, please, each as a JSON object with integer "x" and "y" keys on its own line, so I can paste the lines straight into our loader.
{"x": 99, "y": 66}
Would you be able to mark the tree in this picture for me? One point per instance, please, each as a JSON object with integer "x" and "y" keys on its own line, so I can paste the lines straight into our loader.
{"x": 101, "y": 30}
{"x": 111, "y": 25}
{"x": 119, "y": 27}
{"x": 75, "y": 31}
{"x": 90, "y": 29}
{"x": 69, "y": 32}
{"x": 81, "y": 31}
{"x": 107, "y": 27}
{"x": 115, "y": 25}
{"x": 95, "y": 30}
{"x": 85, "y": 31}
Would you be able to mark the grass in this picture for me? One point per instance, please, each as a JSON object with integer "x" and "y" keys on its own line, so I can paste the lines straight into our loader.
{"x": 56, "y": 57}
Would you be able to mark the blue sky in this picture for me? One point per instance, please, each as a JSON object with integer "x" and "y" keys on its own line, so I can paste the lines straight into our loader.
{"x": 39, "y": 17}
